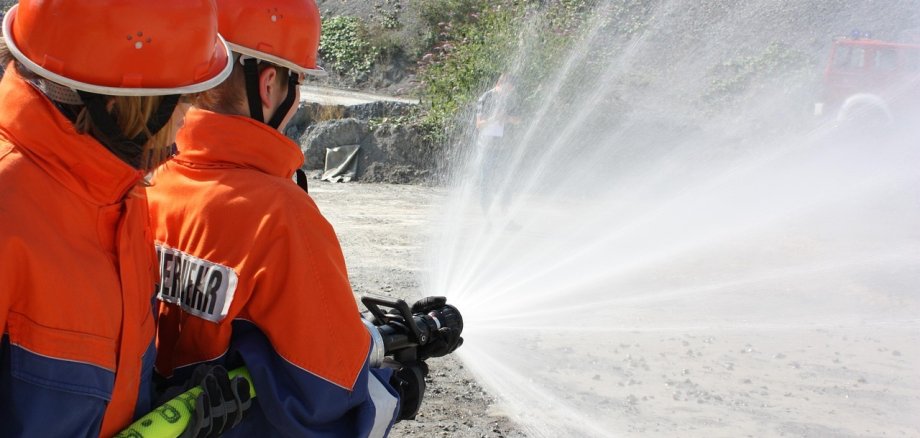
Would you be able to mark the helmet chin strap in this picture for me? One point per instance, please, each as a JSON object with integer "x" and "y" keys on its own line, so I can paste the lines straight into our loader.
{"x": 286, "y": 105}
{"x": 251, "y": 72}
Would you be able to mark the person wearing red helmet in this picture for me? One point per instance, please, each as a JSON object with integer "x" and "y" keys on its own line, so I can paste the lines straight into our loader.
{"x": 252, "y": 273}
{"x": 88, "y": 105}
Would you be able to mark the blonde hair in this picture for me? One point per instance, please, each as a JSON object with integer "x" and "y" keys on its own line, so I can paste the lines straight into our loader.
{"x": 5, "y": 55}
{"x": 130, "y": 113}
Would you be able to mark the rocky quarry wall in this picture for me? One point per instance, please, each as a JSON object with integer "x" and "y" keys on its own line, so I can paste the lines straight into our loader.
{"x": 391, "y": 153}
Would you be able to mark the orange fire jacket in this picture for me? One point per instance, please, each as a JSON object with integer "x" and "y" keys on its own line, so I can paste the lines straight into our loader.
{"x": 239, "y": 241}
{"x": 77, "y": 271}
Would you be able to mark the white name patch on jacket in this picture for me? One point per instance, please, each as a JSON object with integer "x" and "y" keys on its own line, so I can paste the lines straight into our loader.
{"x": 199, "y": 287}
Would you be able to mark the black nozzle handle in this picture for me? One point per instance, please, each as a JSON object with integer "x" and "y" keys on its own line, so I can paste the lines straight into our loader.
{"x": 373, "y": 305}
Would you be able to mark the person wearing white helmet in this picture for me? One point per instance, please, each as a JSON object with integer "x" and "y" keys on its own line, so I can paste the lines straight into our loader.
{"x": 89, "y": 104}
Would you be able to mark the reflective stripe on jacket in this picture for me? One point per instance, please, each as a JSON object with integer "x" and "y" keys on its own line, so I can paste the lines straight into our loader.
{"x": 253, "y": 274}
{"x": 77, "y": 272}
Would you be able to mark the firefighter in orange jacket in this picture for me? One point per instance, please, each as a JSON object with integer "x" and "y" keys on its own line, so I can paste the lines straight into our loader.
{"x": 87, "y": 107}
{"x": 252, "y": 273}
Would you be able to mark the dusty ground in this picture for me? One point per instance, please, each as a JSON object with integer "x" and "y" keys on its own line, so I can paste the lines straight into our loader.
{"x": 382, "y": 229}
{"x": 856, "y": 381}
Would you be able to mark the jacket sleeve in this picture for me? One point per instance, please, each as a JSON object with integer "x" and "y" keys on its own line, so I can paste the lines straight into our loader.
{"x": 302, "y": 338}
{"x": 294, "y": 402}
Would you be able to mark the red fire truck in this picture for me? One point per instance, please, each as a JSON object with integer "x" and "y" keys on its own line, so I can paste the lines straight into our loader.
{"x": 868, "y": 79}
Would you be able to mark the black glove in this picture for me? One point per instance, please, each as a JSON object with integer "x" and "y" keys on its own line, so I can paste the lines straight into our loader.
{"x": 445, "y": 340}
{"x": 409, "y": 382}
{"x": 220, "y": 406}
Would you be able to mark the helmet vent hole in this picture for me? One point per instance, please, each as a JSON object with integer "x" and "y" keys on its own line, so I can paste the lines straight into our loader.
{"x": 139, "y": 44}
{"x": 274, "y": 14}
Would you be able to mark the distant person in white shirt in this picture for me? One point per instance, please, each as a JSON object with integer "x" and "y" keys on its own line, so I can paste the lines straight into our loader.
{"x": 492, "y": 118}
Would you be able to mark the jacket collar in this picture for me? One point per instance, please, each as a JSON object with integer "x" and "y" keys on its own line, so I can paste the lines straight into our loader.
{"x": 79, "y": 162}
{"x": 218, "y": 140}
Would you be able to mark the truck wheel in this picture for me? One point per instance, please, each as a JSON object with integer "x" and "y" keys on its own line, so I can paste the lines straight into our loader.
{"x": 865, "y": 110}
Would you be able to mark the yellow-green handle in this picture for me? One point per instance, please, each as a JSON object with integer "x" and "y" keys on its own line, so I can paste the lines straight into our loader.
{"x": 170, "y": 419}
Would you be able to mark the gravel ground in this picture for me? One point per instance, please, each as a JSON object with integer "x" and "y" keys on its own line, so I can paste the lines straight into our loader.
{"x": 758, "y": 380}
{"x": 383, "y": 229}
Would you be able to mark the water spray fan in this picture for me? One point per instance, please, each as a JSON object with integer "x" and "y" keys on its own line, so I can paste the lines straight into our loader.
{"x": 392, "y": 335}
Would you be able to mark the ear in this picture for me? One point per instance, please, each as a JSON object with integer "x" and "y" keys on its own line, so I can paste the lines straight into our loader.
{"x": 267, "y": 90}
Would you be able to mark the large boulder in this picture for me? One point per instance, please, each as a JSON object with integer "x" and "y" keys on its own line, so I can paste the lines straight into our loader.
{"x": 389, "y": 153}
{"x": 402, "y": 144}
{"x": 329, "y": 134}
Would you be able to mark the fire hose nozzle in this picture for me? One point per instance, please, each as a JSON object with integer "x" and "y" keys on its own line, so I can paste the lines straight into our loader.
{"x": 398, "y": 332}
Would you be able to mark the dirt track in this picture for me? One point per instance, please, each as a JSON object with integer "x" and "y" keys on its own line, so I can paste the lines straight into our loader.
{"x": 383, "y": 229}
{"x": 334, "y": 96}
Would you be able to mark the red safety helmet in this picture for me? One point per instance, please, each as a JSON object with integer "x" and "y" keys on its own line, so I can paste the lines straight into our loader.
{"x": 120, "y": 47}
{"x": 283, "y": 32}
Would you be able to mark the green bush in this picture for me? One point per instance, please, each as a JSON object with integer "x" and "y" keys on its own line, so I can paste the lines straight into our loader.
{"x": 387, "y": 14}
{"x": 473, "y": 54}
{"x": 473, "y": 42}
{"x": 435, "y": 12}
{"x": 345, "y": 47}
